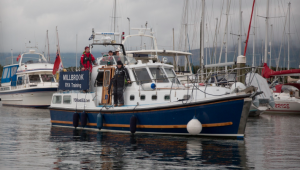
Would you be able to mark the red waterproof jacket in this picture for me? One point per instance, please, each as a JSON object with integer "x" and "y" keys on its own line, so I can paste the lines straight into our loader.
{"x": 86, "y": 61}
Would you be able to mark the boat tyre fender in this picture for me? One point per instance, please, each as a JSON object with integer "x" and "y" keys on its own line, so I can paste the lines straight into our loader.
{"x": 75, "y": 119}
{"x": 83, "y": 119}
{"x": 99, "y": 121}
{"x": 133, "y": 121}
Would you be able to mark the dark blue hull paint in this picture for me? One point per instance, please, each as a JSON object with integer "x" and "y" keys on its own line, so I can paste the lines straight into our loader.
{"x": 34, "y": 106}
{"x": 29, "y": 91}
{"x": 226, "y": 111}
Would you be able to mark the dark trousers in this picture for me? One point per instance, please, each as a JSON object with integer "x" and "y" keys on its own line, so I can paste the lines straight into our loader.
{"x": 118, "y": 96}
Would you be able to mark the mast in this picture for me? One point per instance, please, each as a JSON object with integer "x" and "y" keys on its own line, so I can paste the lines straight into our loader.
{"x": 240, "y": 31}
{"x": 226, "y": 47}
{"x": 185, "y": 32}
{"x": 289, "y": 36}
{"x": 266, "y": 33}
{"x": 202, "y": 39}
{"x": 254, "y": 36}
{"x": 76, "y": 52}
{"x": 48, "y": 47}
{"x": 115, "y": 11}
{"x": 12, "y": 60}
{"x": 271, "y": 45}
{"x": 173, "y": 41}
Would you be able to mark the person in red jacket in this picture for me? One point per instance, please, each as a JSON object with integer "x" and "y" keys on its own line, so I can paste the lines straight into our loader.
{"x": 87, "y": 59}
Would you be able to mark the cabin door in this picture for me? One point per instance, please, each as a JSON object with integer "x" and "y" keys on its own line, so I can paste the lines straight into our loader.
{"x": 107, "y": 76}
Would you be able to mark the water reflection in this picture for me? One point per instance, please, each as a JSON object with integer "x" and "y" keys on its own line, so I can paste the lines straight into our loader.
{"x": 116, "y": 151}
{"x": 27, "y": 141}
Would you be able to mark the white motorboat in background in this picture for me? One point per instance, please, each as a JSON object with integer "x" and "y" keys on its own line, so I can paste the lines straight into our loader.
{"x": 287, "y": 98}
{"x": 29, "y": 83}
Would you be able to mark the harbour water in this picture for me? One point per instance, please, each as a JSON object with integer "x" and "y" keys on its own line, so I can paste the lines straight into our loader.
{"x": 27, "y": 141}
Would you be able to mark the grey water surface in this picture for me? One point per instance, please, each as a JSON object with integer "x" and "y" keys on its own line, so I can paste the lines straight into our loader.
{"x": 27, "y": 141}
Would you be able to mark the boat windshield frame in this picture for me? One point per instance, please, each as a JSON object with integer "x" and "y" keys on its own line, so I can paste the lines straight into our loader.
{"x": 40, "y": 57}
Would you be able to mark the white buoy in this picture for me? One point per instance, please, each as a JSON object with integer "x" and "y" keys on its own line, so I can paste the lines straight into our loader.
{"x": 194, "y": 126}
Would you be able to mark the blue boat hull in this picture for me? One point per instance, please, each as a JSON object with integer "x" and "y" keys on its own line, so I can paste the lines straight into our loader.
{"x": 222, "y": 118}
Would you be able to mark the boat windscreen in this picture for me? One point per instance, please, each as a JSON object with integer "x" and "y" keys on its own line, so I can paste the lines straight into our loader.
{"x": 142, "y": 75}
{"x": 107, "y": 60}
{"x": 159, "y": 75}
{"x": 32, "y": 58}
{"x": 171, "y": 75}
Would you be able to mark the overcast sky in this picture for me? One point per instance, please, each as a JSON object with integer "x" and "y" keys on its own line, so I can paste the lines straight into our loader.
{"x": 24, "y": 20}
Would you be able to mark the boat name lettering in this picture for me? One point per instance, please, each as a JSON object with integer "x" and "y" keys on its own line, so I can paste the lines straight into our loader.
{"x": 282, "y": 106}
{"x": 81, "y": 100}
{"x": 73, "y": 77}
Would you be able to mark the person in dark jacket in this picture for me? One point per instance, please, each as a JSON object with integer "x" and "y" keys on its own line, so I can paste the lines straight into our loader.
{"x": 118, "y": 82}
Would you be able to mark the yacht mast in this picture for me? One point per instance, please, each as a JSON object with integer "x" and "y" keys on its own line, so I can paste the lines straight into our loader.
{"x": 185, "y": 32}
{"x": 271, "y": 45}
{"x": 115, "y": 11}
{"x": 76, "y": 52}
{"x": 289, "y": 36}
{"x": 48, "y": 47}
{"x": 240, "y": 31}
{"x": 226, "y": 47}
{"x": 202, "y": 39}
{"x": 254, "y": 36}
{"x": 266, "y": 33}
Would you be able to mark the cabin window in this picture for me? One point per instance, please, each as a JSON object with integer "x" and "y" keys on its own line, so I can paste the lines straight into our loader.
{"x": 171, "y": 75}
{"x": 142, "y": 75}
{"x": 99, "y": 79}
{"x": 106, "y": 78}
{"x": 56, "y": 100}
{"x": 143, "y": 97}
{"x": 34, "y": 79}
{"x": 21, "y": 80}
{"x": 154, "y": 97}
{"x": 47, "y": 78}
{"x": 5, "y": 73}
{"x": 167, "y": 97}
{"x": 186, "y": 97}
{"x": 158, "y": 75}
{"x": 131, "y": 97}
{"x": 67, "y": 100}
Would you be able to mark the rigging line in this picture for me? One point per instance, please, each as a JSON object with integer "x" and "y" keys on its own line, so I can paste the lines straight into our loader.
{"x": 283, "y": 39}
{"x": 295, "y": 27}
{"x": 220, "y": 17}
{"x": 225, "y": 33}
